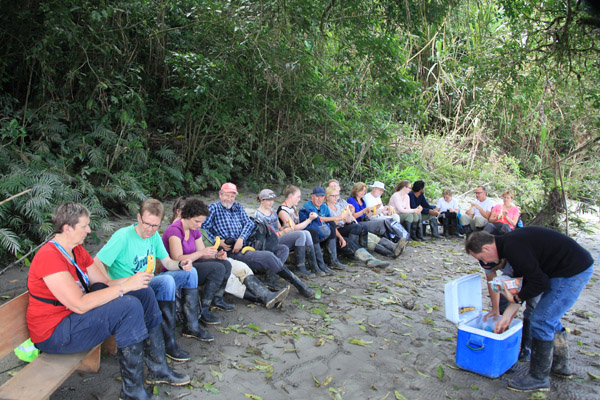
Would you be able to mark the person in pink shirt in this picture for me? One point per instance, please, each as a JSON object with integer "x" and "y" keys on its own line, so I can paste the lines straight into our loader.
{"x": 409, "y": 217}
{"x": 505, "y": 216}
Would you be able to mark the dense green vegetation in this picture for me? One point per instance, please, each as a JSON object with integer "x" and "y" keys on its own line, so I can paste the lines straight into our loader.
{"x": 108, "y": 102}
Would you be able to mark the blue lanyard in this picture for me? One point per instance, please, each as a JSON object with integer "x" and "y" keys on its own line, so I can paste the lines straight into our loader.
{"x": 62, "y": 250}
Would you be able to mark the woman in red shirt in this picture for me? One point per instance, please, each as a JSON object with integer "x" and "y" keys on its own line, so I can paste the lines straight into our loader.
{"x": 74, "y": 306}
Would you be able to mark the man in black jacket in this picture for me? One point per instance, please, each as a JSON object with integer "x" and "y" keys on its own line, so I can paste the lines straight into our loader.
{"x": 552, "y": 265}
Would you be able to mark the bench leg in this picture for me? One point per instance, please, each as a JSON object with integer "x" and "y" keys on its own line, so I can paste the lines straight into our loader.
{"x": 92, "y": 362}
{"x": 109, "y": 346}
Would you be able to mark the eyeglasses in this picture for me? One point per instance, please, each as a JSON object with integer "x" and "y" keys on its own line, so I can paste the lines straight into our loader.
{"x": 150, "y": 225}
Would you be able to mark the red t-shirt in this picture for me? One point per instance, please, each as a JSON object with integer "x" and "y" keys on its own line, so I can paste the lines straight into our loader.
{"x": 42, "y": 317}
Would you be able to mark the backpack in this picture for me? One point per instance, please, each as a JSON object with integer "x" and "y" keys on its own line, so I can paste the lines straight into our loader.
{"x": 262, "y": 237}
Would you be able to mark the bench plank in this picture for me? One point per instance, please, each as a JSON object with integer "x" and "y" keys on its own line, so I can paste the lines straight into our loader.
{"x": 13, "y": 327}
{"x": 40, "y": 378}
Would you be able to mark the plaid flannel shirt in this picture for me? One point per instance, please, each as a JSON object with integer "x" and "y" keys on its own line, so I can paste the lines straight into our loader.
{"x": 227, "y": 223}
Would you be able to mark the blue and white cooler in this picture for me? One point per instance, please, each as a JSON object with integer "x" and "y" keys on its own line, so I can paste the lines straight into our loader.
{"x": 478, "y": 348}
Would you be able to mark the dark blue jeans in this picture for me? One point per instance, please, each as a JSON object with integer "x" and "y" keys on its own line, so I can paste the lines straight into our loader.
{"x": 128, "y": 318}
{"x": 555, "y": 302}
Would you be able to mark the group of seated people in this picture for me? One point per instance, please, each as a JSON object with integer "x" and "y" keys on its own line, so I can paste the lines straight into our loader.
{"x": 135, "y": 285}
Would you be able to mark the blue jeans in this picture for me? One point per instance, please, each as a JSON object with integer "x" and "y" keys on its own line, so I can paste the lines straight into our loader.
{"x": 128, "y": 318}
{"x": 555, "y": 302}
{"x": 165, "y": 283}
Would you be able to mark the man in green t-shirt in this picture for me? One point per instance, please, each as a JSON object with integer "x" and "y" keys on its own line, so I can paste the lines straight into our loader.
{"x": 130, "y": 250}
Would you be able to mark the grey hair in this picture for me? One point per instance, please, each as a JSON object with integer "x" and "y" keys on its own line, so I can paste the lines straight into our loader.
{"x": 68, "y": 214}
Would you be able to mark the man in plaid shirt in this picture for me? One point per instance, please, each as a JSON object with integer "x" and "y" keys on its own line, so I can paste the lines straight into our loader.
{"x": 228, "y": 220}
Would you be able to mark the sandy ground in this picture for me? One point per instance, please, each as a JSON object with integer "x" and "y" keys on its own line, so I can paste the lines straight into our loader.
{"x": 371, "y": 335}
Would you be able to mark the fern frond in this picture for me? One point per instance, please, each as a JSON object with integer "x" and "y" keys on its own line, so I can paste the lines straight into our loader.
{"x": 9, "y": 241}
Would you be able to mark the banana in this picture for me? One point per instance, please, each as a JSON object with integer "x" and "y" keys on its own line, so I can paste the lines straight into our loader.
{"x": 151, "y": 264}
{"x": 217, "y": 242}
{"x": 290, "y": 222}
{"x": 248, "y": 248}
{"x": 375, "y": 209}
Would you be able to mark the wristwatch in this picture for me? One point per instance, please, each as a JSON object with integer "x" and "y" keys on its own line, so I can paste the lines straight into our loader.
{"x": 179, "y": 265}
{"x": 517, "y": 301}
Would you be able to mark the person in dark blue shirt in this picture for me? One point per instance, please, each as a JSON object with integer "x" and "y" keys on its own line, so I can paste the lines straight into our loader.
{"x": 428, "y": 213}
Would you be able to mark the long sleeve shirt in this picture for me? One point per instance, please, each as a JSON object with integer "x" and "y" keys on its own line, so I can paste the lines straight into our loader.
{"x": 227, "y": 223}
{"x": 401, "y": 203}
{"x": 538, "y": 254}
{"x": 419, "y": 201}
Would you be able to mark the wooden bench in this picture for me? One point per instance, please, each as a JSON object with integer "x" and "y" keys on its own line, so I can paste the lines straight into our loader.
{"x": 40, "y": 378}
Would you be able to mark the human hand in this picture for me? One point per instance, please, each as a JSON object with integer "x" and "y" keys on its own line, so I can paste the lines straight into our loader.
{"x": 209, "y": 252}
{"x": 225, "y": 246}
{"x": 503, "y": 323}
{"x": 239, "y": 243}
{"x": 186, "y": 265}
{"x": 221, "y": 255}
{"x": 342, "y": 242}
{"x": 140, "y": 280}
{"x": 494, "y": 314}
{"x": 313, "y": 215}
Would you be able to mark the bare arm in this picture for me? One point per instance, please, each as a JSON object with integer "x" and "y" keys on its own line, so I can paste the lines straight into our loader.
{"x": 64, "y": 288}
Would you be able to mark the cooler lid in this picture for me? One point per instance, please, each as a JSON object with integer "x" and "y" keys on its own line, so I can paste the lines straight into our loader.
{"x": 462, "y": 298}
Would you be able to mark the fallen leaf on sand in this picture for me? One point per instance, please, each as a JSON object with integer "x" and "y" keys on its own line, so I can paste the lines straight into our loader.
{"x": 359, "y": 342}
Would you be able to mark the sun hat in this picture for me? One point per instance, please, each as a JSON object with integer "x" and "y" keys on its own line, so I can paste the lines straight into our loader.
{"x": 378, "y": 185}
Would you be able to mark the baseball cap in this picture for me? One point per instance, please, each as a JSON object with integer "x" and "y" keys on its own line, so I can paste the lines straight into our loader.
{"x": 266, "y": 194}
{"x": 318, "y": 191}
{"x": 229, "y": 187}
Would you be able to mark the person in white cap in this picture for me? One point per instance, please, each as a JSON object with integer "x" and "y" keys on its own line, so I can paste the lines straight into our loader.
{"x": 373, "y": 199}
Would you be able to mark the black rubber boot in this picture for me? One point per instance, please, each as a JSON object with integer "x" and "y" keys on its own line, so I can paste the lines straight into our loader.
{"x": 384, "y": 251}
{"x": 167, "y": 309}
{"x": 210, "y": 288}
{"x": 298, "y": 284}
{"x": 131, "y": 361}
{"x": 158, "y": 369}
{"x": 320, "y": 261}
{"x": 272, "y": 281}
{"x": 413, "y": 231}
{"x": 539, "y": 368}
{"x": 445, "y": 224}
{"x": 264, "y": 295}
{"x": 300, "y": 253}
{"x": 395, "y": 248}
{"x": 191, "y": 312}
{"x": 332, "y": 248}
{"x": 454, "y": 230}
{"x": 218, "y": 302}
{"x": 525, "y": 352}
{"x": 419, "y": 231}
{"x": 249, "y": 296}
{"x": 433, "y": 224}
{"x": 560, "y": 358}
{"x": 311, "y": 260}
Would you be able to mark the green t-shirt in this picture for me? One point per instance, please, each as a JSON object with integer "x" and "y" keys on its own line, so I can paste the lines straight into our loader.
{"x": 126, "y": 252}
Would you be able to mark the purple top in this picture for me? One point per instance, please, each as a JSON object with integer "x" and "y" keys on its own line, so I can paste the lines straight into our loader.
{"x": 176, "y": 229}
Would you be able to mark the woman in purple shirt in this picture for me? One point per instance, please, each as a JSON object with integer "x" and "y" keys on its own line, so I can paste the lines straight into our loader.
{"x": 183, "y": 240}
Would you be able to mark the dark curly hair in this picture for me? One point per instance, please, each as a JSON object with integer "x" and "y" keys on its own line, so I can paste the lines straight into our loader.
{"x": 194, "y": 208}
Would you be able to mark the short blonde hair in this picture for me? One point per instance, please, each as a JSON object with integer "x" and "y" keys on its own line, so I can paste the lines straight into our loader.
{"x": 447, "y": 192}
{"x": 508, "y": 193}
{"x": 358, "y": 186}
{"x": 329, "y": 191}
